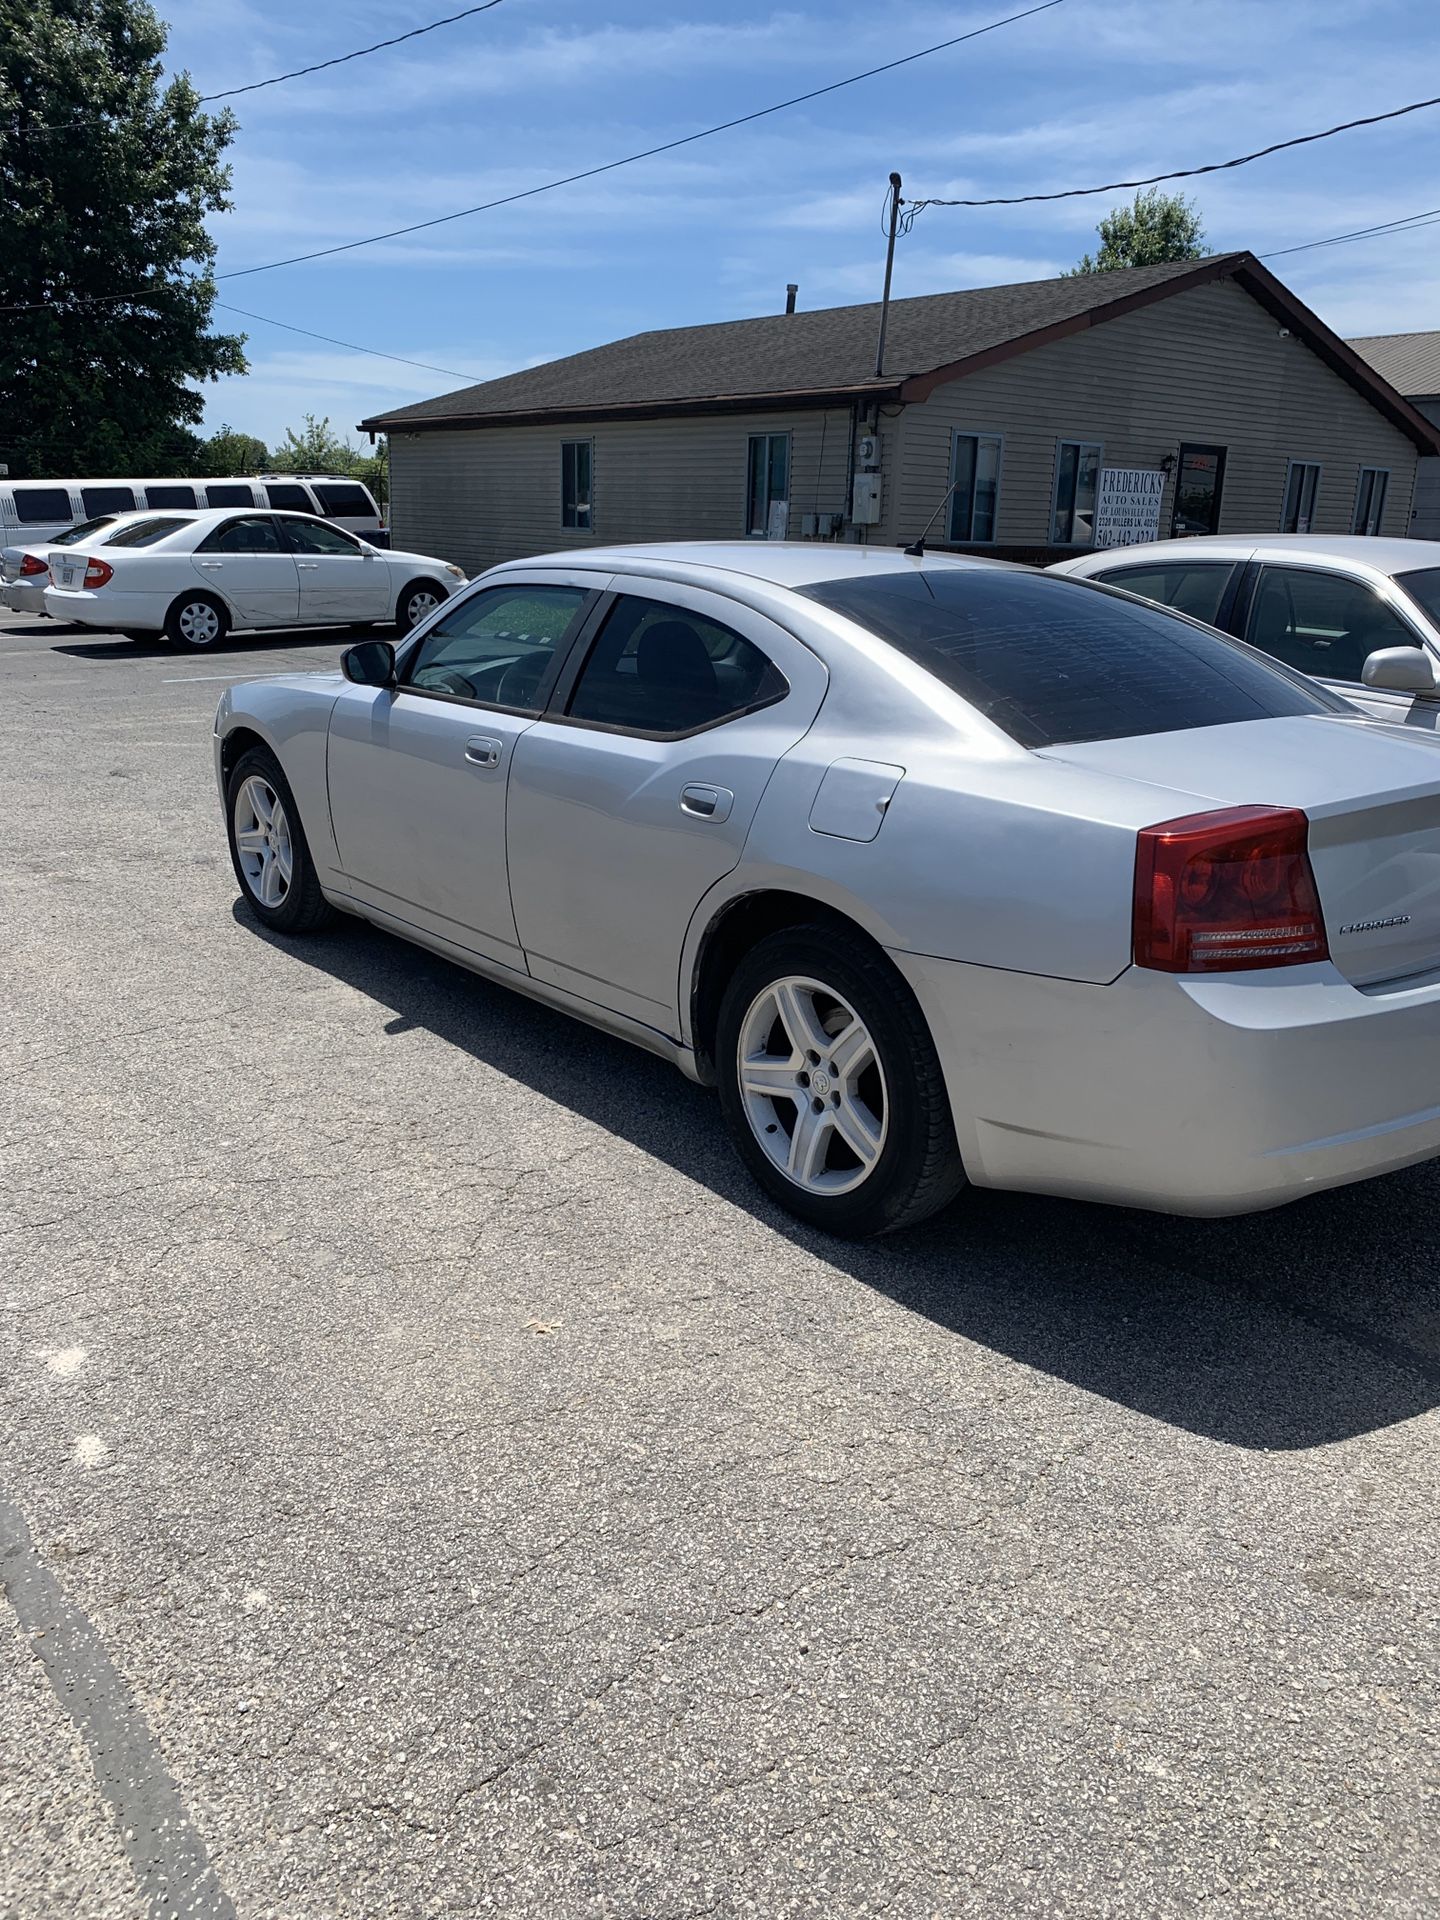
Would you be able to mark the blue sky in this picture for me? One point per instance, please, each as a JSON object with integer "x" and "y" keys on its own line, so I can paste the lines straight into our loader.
{"x": 1093, "y": 90}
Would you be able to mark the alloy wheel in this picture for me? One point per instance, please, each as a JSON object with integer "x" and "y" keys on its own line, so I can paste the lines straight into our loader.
{"x": 812, "y": 1085}
{"x": 262, "y": 841}
{"x": 420, "y": 606}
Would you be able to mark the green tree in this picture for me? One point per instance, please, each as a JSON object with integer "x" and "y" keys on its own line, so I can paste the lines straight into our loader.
{"x": 317, "y": 448}
{"x": 105, "y": 181}
{"x": 1155, "y": 228}
{"x": 229, "y": 451}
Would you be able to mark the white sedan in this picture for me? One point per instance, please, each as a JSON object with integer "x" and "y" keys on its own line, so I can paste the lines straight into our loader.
{"x": 25, "y": 570}
{"x": 195, "y": 576}
{"x": 942, "y": 870}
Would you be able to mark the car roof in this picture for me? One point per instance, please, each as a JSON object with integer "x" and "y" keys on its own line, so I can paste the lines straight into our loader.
{"x": 1384, "y": 553}
{"x": 781, "y": 563}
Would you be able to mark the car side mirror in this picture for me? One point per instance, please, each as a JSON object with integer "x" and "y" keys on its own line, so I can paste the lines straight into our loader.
{"x": 370, "y": 663}
{"x": 1400, "y": 670}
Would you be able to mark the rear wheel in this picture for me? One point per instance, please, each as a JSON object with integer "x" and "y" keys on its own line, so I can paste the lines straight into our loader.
{"x": 268, "y": 848}
{"x": 197, "y": 620}
{"x": 831, "y": 1087}
{"x": 418, "y": 601}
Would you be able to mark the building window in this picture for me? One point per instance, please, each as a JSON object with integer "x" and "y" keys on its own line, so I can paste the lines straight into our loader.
{"x": 1370, "y": 499}
{"x": 975, "y": 477}
{"x": 1302, "y": 483}
{"x": 1199, "y": 483}
{"x": 1077, "y": 474}
{"x": 767, "y": 505}
{"x": 577, "y": 465}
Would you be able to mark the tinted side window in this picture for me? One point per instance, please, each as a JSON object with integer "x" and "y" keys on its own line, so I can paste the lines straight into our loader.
{"x": 36, "y": 504}
{"x": 314, "y": 536}
{"x": 243, "y": 536}
{"x": 108, "y": 500}
{"x": 170, "y": 496}
{"x": 1322, "y": 623}
{"x": 232, "y": 496}
{"x": 144, "y": 533}
{"x": 1196, "y": 590}
{"x": 349, "y": 501}
{"x": 655, "y": 668}
{"x": 503, "y": 646}
{"x": 290, "y": 496}
{"x": 1053, "y": 660}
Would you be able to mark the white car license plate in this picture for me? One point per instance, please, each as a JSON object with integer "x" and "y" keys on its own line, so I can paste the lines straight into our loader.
{"x": 67, "y": 576}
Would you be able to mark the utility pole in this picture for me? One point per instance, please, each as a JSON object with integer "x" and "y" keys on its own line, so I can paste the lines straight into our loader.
{"x": 893, "y": 224}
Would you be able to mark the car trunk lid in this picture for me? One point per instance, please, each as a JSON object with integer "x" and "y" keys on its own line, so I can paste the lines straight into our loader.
{"x": 1372, "y": 796}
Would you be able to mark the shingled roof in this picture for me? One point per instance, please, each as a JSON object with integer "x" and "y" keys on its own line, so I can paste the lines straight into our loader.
{"x": 1409, "y": 361}
{"x": 827, "y": 355}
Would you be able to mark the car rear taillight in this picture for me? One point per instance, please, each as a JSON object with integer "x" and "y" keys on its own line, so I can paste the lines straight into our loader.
{"x": 1218, "y": 892}
{"x": 31, "y": 563}
{"x": 97, "y": 573}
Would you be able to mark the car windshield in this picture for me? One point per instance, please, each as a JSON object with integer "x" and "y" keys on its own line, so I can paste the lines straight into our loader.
{"x": 144, "y": 533}
{"x": 1423, "y": 587}
{"x": 84, "y": 530}
{"x": 1054, "y": 660}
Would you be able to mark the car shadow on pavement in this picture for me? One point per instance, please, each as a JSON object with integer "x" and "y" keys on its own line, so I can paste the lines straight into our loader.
{"x": 242, "y": 647}
{"x": 1280, "y": 1330}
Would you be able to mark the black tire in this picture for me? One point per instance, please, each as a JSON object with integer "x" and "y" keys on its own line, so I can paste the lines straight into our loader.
{"x": 184, "y": 631}
{"x": 409, "y": 610}
{"x": 304, "y": 908}
{"x": 918, "y": 1169}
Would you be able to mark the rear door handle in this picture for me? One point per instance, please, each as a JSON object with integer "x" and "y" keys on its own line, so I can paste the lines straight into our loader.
{"x": 211, "y": 566}
{"x": 482, "y": 751}
{"x": 308, "y": 566}
{"x": 707, "y": 803}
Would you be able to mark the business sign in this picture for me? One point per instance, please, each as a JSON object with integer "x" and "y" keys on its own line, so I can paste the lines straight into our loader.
{"x": 1127, "y": 506}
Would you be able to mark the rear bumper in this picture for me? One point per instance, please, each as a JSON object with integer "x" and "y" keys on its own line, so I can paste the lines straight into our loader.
{"x": 1186, "y": 1094}
{"x": 107, "y": 608}
{"x": 20, "y": 596}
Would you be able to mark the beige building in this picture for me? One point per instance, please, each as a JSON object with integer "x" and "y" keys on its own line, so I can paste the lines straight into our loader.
{"x": 1024, "y": 421}
{"x": 1411, "y": 364}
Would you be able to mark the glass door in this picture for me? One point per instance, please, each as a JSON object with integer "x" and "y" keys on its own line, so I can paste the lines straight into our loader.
{"x": 1199, "y": 482}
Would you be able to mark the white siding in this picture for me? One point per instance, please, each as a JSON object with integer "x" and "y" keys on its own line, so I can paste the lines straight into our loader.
{"x": 482, "y": 495}
{"x": 1206, "y": 366}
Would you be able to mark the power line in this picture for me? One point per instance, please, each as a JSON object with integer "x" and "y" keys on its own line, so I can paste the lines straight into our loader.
{"x": 916, "y": 207}
{"x": 588, "y": 173}
{"x": 648, "y": 153}
{"x": 1410, "y": 222}
{"x": 374, "y": 352}
{"x": 340, "y": 59}
{"x": 275, "y": 80}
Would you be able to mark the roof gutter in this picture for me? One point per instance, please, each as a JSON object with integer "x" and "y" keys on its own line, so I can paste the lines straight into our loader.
{"x": 803, "y": 397}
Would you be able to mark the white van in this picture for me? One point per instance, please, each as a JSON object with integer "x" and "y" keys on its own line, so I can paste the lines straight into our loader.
{"x": 36, "y": 510}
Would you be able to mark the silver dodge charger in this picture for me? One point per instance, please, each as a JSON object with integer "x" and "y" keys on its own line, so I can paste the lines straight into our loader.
{"x": 944, "y": 871}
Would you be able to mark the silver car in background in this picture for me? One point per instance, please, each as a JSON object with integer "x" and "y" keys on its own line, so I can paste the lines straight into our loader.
{"x": 1357, "y": 611}
{"x": 943, "y": 870}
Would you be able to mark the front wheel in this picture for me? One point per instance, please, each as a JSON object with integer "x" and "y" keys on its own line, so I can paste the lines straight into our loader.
{"x": 268, "y": 848}
{"x": 416, "y": 603}
{"x": 831, "y": 1087}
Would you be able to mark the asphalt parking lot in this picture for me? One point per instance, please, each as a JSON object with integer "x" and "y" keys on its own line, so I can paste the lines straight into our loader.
{"x": 433, "y": 1479}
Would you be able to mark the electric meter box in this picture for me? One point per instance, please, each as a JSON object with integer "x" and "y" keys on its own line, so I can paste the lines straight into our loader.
{"x": 865, "y": 500}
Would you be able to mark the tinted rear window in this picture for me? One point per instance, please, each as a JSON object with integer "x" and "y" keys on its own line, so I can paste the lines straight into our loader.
{"x": 169, "y": 496}
{"x": 1052, "y": 660}
{"x": 84, "y": 530}
{"x": 144, "y": 533}
{"x": 347, "y": 502}
{"x": 108, "y": 499}
{"x": 33, "y": 505}
{"x": 292, "y": 498}
{"x": 1196, "y": 590}
{"x": 1423, "y": 587}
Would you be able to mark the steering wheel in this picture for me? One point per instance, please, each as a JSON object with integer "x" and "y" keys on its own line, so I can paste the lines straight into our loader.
{"x": 520, "y": 681}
